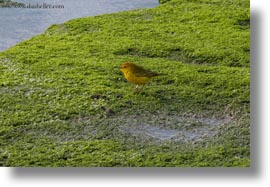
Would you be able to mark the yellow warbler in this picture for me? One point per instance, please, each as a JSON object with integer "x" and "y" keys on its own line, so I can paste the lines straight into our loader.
{"x": 137, "y": 75}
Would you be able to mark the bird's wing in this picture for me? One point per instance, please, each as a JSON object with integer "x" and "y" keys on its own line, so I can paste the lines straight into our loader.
{"x": 141, "y": 72}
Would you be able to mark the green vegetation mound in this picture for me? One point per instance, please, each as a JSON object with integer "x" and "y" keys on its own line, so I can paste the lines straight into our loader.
{"x": 64, "y": 101}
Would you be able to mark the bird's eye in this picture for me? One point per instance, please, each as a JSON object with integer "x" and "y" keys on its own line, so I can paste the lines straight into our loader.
{"x": 124, "y": 66}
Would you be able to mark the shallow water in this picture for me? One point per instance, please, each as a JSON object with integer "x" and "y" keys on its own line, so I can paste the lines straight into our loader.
{"x": 154, "y": 132}
{"x": 172, "y": 127}
{"x": 18, "y": 24}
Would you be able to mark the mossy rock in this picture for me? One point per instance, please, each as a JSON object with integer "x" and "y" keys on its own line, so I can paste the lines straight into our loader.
{"x": 64, "y": 101}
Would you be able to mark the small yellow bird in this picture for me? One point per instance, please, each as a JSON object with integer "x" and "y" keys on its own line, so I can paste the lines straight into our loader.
{"x": 137, "y": 75}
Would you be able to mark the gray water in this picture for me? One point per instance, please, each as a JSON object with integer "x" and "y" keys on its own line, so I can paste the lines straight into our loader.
{"x": 19, "y": 24}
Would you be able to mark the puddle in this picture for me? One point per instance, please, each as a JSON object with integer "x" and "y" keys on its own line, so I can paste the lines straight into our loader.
{"x": 172, "y": 127}
{"x": 155, "y": 132}
{"x": 155, "y": 128}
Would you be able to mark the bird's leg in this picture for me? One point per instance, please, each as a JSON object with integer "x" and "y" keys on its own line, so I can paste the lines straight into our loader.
{"x": 141, "y": 88}
{"x": 138, "y": 88}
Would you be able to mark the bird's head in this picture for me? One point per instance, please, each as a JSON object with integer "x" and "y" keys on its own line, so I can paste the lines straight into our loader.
{"x": 126, "y": 66}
